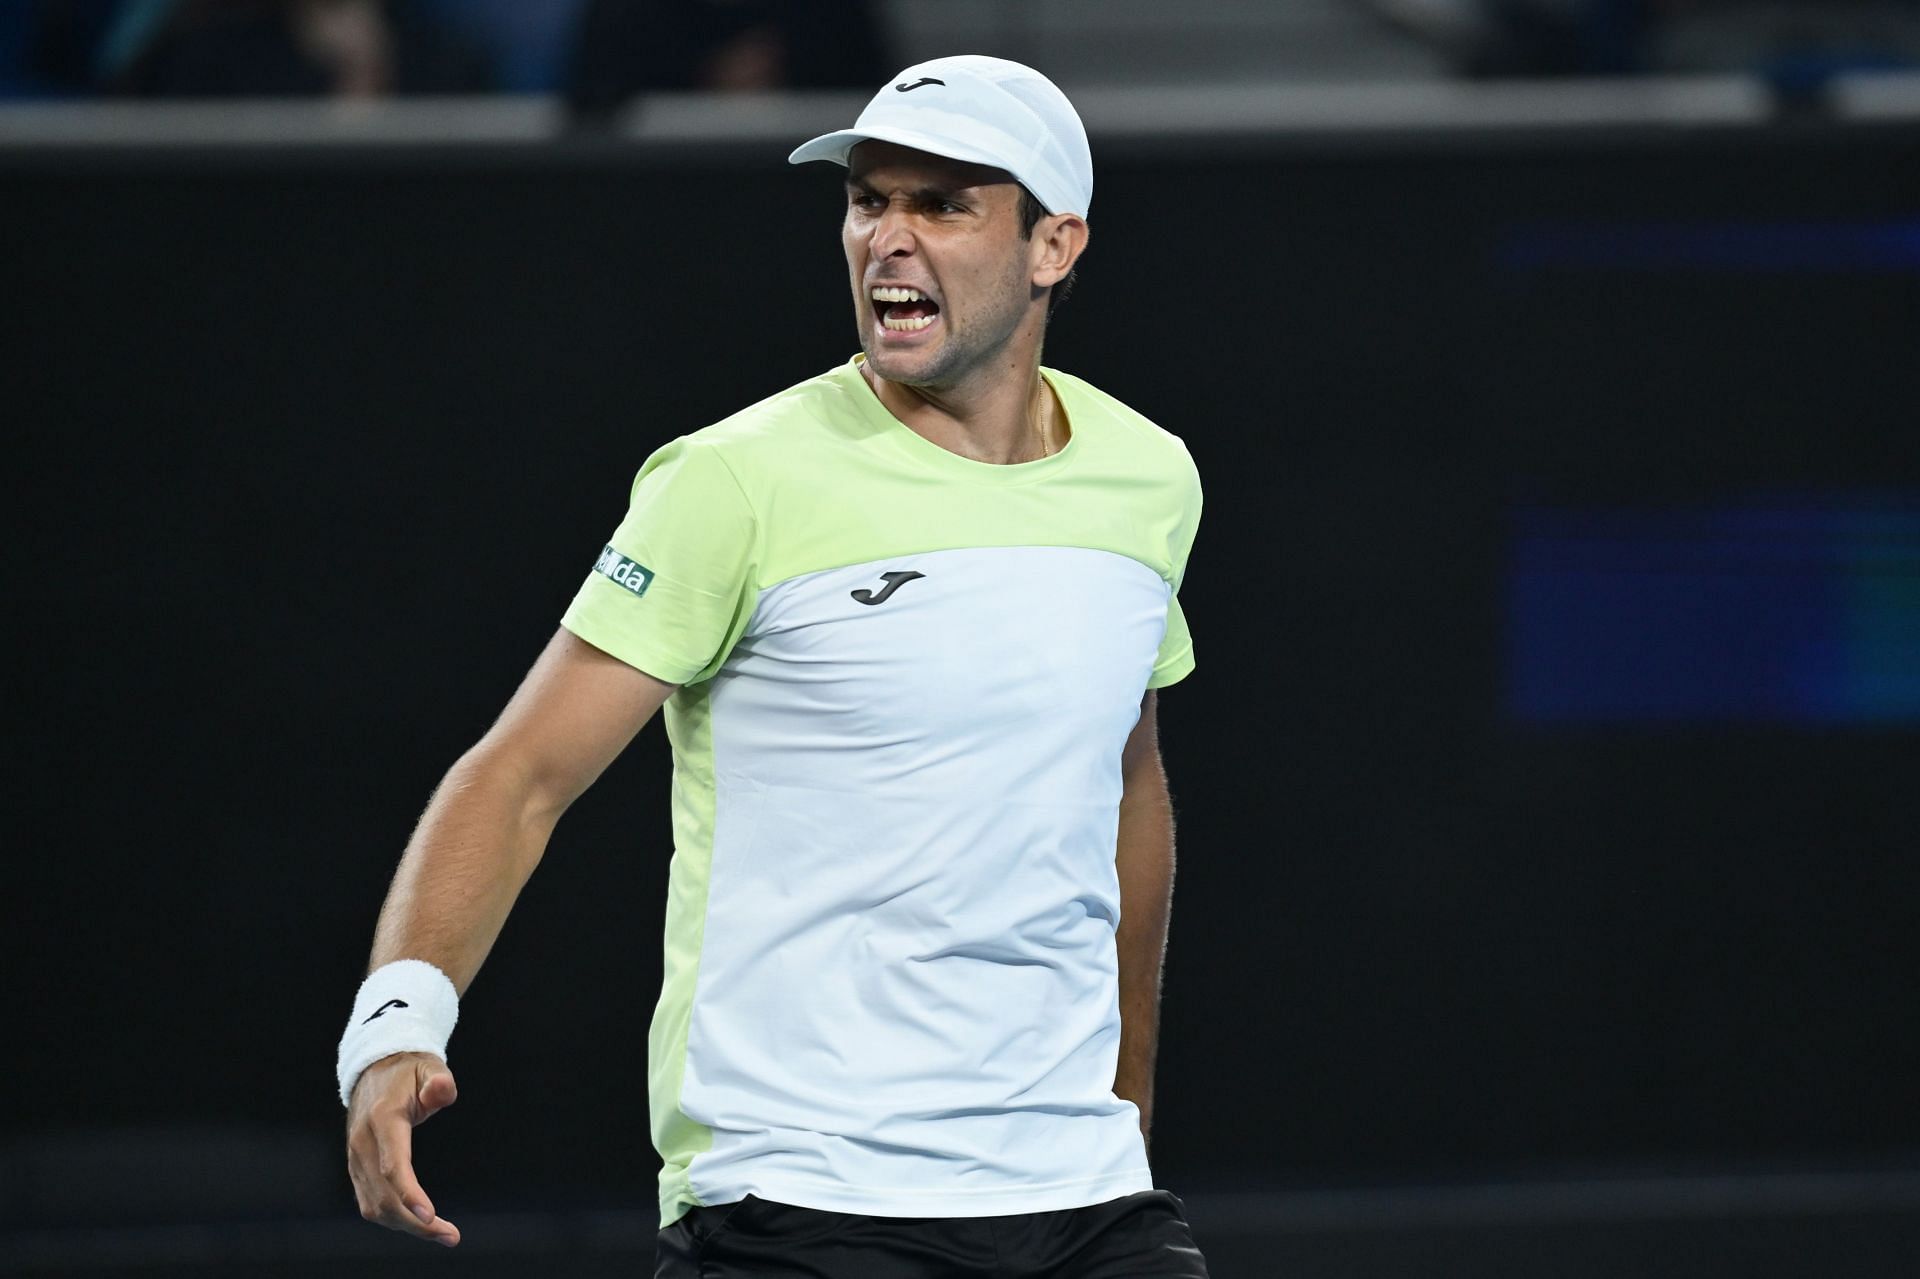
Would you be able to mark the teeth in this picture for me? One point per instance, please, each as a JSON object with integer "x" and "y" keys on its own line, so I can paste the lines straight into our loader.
{"x": 906, "y": 326}
{"x": 896, "y": 295}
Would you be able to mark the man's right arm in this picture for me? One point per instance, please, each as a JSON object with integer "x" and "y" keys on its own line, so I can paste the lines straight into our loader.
{"x": 482, "y": 834}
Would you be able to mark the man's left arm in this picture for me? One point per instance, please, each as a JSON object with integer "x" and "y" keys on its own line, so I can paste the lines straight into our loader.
{"x": 1144, "y": 858}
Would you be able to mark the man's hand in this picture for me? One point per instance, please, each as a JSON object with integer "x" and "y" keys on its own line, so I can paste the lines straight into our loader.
{"x": 481, "y": 837}
{"x": 389, "y": 1099}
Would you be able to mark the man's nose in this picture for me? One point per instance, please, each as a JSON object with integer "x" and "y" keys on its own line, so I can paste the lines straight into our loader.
{"x": 893, "y": 233}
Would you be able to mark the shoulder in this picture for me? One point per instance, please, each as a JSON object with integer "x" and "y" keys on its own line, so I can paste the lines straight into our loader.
{"x": 1137, "y": 427}
{"x": 1150, "y": 445}
{"x": 763, "y": 438}
{"x": 816, "y": 402}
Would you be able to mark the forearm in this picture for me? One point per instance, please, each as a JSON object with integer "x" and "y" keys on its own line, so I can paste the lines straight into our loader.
{"x": 482, "y": 834}
{"x": 1144, "y": 860}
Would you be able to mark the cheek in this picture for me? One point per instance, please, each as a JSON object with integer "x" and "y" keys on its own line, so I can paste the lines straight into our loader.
{"x": 997, "y": 288}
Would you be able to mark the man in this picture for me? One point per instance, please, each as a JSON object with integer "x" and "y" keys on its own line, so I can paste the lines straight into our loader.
{"x": 907, "y": 620}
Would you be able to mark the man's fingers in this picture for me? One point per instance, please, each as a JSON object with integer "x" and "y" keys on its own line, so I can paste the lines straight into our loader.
{"x": 391, "y": 1097}
{"x": 436, "y": 1090}
{"x": 404, "y": 1205}
{"x": 424, "y": 1222}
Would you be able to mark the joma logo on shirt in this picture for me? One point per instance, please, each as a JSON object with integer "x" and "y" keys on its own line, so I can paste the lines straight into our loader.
{"x": 628, "y": 573}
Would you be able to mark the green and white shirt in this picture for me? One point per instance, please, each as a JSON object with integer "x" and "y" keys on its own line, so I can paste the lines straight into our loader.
{"x": 891, "y": 984}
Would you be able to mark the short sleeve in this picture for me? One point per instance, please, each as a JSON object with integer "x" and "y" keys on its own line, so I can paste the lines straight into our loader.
{"x": 1175, "y": 659}
{"x": 673, "y": 588}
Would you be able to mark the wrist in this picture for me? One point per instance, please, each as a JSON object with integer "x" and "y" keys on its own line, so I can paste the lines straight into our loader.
{"x": 406, "y": 1006}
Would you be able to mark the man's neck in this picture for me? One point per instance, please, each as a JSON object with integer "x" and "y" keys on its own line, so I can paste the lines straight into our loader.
{"x": 1007, "y": 418}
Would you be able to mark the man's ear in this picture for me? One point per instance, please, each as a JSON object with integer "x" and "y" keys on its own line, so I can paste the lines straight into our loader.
{"x": 1058, "y": 241}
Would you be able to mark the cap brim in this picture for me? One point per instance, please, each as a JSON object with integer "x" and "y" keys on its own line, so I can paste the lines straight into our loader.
{"x": 837, "y": 146}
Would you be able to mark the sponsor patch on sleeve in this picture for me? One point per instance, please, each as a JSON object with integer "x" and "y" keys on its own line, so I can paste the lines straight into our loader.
{"x": 629, "y": 573}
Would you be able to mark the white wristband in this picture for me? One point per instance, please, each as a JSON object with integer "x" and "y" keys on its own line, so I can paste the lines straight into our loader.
{"x": 406, "y": 1006}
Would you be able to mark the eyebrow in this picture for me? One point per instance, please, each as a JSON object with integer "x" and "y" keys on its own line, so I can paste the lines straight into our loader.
{"x": 923, "y": 195}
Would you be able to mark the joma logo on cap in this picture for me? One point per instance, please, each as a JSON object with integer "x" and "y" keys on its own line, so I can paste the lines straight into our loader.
{"x": 922, "y": 81}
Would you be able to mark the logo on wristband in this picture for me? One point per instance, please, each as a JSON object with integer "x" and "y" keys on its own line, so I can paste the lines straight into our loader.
{"x": 391, "y": 1003}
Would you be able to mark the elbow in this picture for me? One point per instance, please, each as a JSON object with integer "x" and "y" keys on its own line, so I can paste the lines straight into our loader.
{"x": 511, "y": 784}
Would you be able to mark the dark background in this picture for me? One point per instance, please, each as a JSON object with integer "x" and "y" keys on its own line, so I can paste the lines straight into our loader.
{"x": 312, "y": 447}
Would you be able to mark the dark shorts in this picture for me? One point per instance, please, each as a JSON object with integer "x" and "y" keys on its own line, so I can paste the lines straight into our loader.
{"x": 1138, "y": 1236}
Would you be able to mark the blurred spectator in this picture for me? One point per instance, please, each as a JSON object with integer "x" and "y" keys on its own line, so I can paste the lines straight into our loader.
{"x": 17, "y": 77}
{"x": 257, "y": 48}
{"x": 628, "y": 47}
{"x": 529, "y": 42}
{"x": 1791, "y": 40}
{"x": 1783, "y": 38}
{"x": 56, "y": 43}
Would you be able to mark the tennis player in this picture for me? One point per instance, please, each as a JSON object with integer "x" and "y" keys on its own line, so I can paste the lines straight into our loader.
{"x": 907, "y": 620}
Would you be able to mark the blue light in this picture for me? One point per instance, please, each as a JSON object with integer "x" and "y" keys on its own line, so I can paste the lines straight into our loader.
{"x": 1874, "y": 247}
{"x": 1803, "y": 614}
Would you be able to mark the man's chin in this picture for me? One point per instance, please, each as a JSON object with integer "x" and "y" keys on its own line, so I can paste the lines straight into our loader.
{"x": 907, "y": 368}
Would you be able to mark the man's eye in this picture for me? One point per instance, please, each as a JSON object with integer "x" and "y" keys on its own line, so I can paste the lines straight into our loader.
{"x": 948, "y": 206}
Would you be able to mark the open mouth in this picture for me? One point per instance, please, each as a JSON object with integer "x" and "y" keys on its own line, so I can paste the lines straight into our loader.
{"x": 902, "y": 310}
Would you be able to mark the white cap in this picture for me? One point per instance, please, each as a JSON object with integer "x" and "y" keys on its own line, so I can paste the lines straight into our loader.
{"x": 982, "y": 110}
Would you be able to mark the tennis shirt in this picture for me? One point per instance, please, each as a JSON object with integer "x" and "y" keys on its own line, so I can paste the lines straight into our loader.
{"x": 891, "y": 984}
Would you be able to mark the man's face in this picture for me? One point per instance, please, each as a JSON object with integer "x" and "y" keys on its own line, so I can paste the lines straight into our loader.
{"x": 949, "y": 232}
